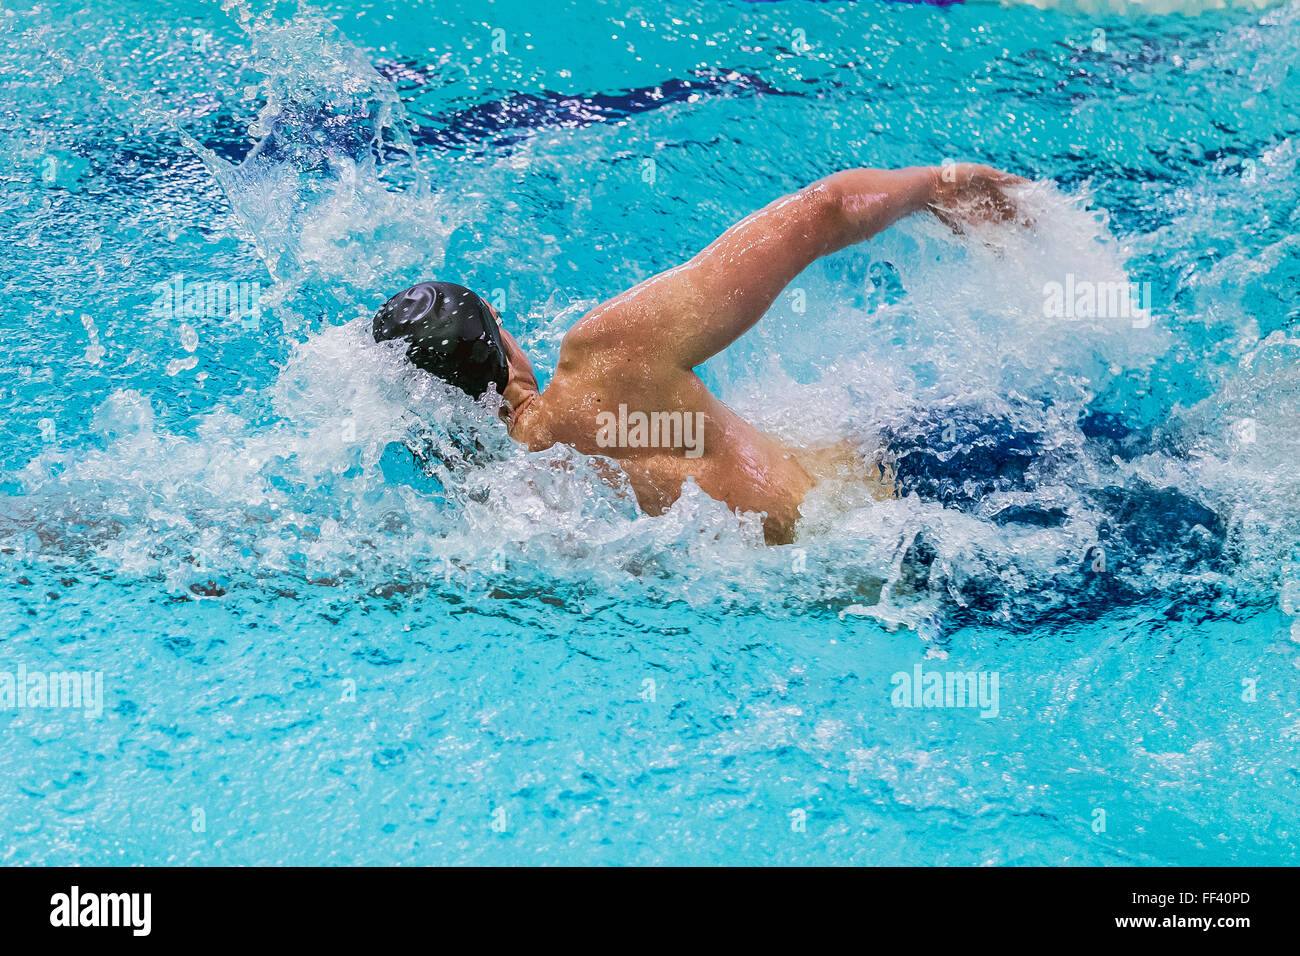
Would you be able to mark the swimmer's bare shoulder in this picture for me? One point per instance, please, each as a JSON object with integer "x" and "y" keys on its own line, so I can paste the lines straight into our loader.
{"x": 641, "y": 347}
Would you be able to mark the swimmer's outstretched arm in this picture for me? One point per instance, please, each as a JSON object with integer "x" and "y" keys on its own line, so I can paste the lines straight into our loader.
{"x": 687, "y": 314}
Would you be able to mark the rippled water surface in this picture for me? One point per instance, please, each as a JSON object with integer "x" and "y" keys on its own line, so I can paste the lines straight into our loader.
{"x": 316, "y": 649}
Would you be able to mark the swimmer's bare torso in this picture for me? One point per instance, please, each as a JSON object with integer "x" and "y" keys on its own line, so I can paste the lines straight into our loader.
{"x": 634, "y": 355}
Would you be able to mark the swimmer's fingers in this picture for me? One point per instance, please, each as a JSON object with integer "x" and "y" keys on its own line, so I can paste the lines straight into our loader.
{"x": 1004, "y": 205}
{"x": 978, "y": 210}
{"x": 969, "y": 194}
{"x": 948, "y": 219}
{"x": 1012, "y": 187}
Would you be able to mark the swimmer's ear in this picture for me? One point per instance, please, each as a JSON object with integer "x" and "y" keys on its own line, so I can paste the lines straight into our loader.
{"x": 493, "y": 312}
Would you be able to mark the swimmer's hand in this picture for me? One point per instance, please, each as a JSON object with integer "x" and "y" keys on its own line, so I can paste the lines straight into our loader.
{"x": 968, "y": 194}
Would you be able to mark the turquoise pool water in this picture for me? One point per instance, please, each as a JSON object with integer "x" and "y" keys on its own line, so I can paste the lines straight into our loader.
{"x": 311, "y": 651}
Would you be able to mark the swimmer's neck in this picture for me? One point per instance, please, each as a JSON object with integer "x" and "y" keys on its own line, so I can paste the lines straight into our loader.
{"x": 520, "y": 405}
{"x": 521, "y": 389}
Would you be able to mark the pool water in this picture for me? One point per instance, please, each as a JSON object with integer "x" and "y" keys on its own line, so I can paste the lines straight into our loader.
{"x": 339, "y": 618}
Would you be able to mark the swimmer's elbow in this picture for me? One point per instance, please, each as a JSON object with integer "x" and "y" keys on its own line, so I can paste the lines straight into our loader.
{"x": 864, "y": 202}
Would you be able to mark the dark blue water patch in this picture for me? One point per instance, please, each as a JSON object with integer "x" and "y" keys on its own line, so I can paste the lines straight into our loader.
{"x": 1030, "y": 515}
{"x": 1142, "y": 521}
{"x": 312, "y": 137}
{"x": 959, "y": 456}
{"x": 1105, "y": 579}
{"x": 1114, "y": 434}
{"x": 510, "y": 120}
{"x": 476, "y": 128}
{"x": 226, "y": 136}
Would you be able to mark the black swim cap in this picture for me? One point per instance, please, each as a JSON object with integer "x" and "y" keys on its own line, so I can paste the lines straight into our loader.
{"x": 452, "y": 335}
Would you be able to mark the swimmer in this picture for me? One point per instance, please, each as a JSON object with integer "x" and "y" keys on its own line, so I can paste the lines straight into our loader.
{"x": 624, "y": 386}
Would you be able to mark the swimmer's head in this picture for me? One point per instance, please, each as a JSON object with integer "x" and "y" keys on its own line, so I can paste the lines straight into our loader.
{"x": 452, "y": 333}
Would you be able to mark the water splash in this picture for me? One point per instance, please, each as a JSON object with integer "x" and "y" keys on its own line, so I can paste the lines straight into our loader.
{"x": 332, "y": 194}
{"x": 353, "y": 468}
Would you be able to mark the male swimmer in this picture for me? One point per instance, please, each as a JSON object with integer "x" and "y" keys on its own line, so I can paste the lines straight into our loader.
{"x": 639, "y": 349}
